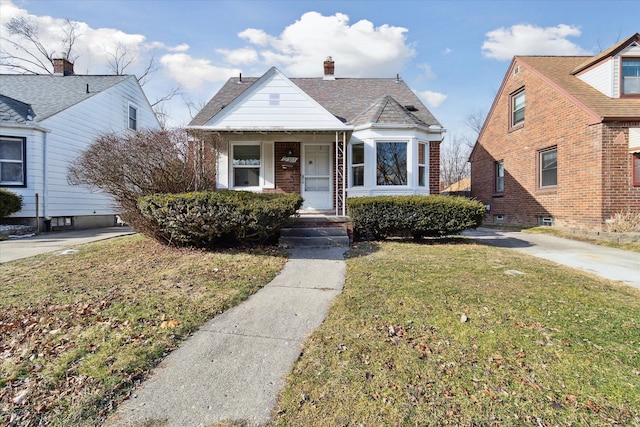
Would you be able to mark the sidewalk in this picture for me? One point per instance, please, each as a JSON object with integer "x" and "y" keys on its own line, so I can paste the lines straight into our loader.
{"x": 234, "y": 367}
{"x": 610, "y": 263}
{"x": 13, "y": 249}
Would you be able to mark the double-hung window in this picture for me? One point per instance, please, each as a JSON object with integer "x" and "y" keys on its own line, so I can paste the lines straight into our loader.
{"x": 631, "y": 76}
{"x": 246, "y": 161}
{"x": 517, "y": 108}
{"x": 133, "y": 118}
{"x": 499, "y": 176}
{"x": 548, "y": 167}
{"x": 422, "y": 164}
{"x": 391, "y": 163}
{"x": 357, "y": 164}
{"x": 13, "y": 169}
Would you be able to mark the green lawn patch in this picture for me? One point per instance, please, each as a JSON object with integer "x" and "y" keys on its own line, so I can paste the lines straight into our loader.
{"x": 457, "y": 333}
{"x": 78, "y": 331}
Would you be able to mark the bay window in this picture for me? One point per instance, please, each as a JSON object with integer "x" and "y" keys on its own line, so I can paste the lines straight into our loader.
{"x": 357, "y": 164}
{"x": 391, "y": 163}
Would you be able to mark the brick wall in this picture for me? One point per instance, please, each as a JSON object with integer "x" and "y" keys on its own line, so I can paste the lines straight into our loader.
{"x": 594, "y": 175}
{"x": 287, "y": 178}
{"x": 434, "y": 167}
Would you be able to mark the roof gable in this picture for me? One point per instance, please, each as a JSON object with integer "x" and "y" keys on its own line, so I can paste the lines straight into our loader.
{"x": 12, "y": 110}
{"x": 273, "y": 102}
{"x": 50, "y": 94}
{"x": 606, "y": 54}
{"x": 387, "y": 110}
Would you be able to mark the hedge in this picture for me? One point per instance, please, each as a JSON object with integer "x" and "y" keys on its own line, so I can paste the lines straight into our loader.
{"x": 219, "y": 218}
{"x": 418, "y": 216}
{"x": 9, "y": 203}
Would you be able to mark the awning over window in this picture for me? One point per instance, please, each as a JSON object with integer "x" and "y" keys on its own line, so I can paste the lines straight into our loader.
{"x": 634, "y": 140}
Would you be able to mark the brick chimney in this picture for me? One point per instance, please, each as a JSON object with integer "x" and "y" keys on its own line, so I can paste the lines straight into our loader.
{"x": 329, "y": 67}
{"x": 62, "y": 67}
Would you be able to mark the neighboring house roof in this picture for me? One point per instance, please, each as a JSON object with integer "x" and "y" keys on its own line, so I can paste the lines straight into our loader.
{"x": 463, "y": 185}
{"x": 345, "y": 98}
{"x": 558, "y": 71}
{"x": 613, "y": 50}
{"x": 12, "y": 110}
{"x": 51, "y": 94}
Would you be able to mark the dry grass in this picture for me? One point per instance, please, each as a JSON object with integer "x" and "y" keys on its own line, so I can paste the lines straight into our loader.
{"x": 77, "y": 332}
{"x": 551, "y": 346}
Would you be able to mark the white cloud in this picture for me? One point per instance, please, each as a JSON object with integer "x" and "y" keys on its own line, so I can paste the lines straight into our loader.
{"x": 192, "y": 73}
{"x": 427, "y": 72}
{"x": 180, "y": 48}
{"x": 239, "y": 56}
{"x": 447, "y": 51}
{"x": 434, "y": 99}
{"x": 359, "y": 50}
{"x": 526, "y": 39}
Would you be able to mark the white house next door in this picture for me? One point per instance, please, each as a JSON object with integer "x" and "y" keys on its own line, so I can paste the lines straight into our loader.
{"x": 316, "y": 177}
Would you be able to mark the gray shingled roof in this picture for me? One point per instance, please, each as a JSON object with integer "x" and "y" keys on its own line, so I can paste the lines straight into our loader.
{"x": 345, "y": 98}
{"x": 12, "y": 110}
{"x": 387, "y": 110}
{"x": 50, "y": 94}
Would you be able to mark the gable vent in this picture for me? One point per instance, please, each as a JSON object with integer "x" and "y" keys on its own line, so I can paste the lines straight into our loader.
{"x": 516, "y": 70}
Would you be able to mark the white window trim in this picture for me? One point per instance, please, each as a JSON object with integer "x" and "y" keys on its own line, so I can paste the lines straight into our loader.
{"x": 425, "y": 164}
{"x": 363, "y": 164}
{"x": 232, "y": 167}
{"x": 23, "y": 162}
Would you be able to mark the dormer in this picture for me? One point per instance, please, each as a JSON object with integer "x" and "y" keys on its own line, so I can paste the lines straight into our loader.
{"x": 616, "y": 71}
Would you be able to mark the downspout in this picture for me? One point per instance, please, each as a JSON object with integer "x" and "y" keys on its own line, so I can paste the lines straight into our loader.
{"x": 45, "y": 183}
{"x": 336, "y": 198}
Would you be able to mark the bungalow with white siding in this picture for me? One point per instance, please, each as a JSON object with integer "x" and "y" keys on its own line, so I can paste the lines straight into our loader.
{"x": 46, "y": 121}
{"x": 325, "y": 138}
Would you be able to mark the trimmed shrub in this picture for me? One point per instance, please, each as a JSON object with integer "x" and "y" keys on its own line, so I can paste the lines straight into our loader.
{"x": 219, "y": 218}
{"x": 418, "y": 216}
{"x": 9, "y": 203}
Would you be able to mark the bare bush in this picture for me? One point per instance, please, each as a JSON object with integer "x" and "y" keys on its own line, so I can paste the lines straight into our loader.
{"x": 624, "y": 222}
{"x": 147, "y": 162}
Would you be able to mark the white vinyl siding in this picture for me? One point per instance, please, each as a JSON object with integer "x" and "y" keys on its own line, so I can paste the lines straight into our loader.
{"x": 274, "y": 103}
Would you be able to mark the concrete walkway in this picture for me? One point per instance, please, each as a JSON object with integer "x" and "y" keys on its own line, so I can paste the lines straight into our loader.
{"x": 610, "y": 263}
{"x": 13, "y": 249}
{"x": 234, "y": 367}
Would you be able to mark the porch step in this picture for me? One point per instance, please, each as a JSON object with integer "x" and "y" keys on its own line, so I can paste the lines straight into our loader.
{"x": 314, "y": 237}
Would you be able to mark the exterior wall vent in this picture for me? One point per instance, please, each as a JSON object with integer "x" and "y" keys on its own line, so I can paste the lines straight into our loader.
{"x": 516, "y": 70}
{"x": 499, "y": 219}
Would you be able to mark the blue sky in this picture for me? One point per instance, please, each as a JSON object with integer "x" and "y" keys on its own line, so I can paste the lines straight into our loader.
{"x": 452, "y": 53}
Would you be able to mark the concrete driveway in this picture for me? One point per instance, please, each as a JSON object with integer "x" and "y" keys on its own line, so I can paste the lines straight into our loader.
{"x": 13, "y": 249}
{"x": 613, "y": 264}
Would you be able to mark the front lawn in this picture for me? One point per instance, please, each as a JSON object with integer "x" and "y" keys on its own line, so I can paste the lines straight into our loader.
{"x": 458, "y": 333}
{"x": 78, "y": 331}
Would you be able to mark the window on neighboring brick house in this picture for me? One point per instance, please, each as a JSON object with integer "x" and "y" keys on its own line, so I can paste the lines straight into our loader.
{"x": 548, "y": 167}
{"x": 13, "y": 170}
{"x": 517, "y": 108}
{"x": 499, "y": 176}
{"x": 357, "y": 165}
{"x": 635, "y": 168}
{"x": 631, "y": 76}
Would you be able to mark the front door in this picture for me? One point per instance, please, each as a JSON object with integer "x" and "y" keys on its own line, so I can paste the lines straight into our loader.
{"x": 316, "y": 177}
